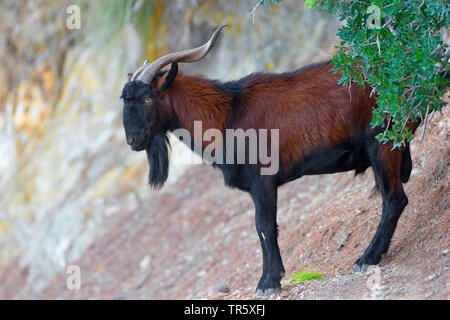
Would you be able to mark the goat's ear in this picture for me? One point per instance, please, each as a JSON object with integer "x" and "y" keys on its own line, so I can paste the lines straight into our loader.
{"x": 170, "y": 76}
{"x": 129, "y": 76}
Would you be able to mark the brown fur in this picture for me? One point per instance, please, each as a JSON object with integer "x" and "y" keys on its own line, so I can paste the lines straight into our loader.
{"x": 308, "y": 107}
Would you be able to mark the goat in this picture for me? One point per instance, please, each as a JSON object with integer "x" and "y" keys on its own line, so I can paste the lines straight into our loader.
{"x": 323, "y": 128}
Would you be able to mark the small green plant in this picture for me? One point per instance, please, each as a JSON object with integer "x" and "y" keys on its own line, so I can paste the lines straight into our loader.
{"x": 301, "y": 276}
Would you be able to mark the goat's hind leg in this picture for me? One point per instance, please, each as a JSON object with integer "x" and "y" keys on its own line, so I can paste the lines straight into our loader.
{"x": 387, "y": 167}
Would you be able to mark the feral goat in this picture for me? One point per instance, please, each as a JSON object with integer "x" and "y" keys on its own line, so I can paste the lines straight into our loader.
{"x": 323, "y": 128}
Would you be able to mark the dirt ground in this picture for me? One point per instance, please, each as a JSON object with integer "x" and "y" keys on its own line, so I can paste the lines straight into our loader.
{"x": 190, "y": 240}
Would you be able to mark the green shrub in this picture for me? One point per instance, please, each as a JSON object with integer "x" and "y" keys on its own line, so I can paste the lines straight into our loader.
{"x": 402, "y": 58}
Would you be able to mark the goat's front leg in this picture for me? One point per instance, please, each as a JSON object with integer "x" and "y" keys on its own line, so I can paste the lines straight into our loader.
{"x": 264, "y": 196}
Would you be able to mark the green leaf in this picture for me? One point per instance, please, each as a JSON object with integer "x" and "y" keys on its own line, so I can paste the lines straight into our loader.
{"x": 305, "y": 276}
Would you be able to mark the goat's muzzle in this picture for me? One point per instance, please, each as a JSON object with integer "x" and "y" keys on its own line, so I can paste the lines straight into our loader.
{"x": 138, "y": 142}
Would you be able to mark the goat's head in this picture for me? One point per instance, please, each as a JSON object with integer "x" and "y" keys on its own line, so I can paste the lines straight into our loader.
{"x": 144, "y": 119}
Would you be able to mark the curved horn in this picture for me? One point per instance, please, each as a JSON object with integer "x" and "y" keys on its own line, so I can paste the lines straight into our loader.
{"x": 147, "y": 72}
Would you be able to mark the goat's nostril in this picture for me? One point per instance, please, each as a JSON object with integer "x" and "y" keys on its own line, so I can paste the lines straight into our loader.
{"x": 130, "y": 140}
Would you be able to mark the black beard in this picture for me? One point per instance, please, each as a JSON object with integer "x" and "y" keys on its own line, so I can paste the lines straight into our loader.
{"x": 158, "y": 160}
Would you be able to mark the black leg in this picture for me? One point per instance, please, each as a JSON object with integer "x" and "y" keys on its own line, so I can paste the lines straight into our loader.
{"x": 393, "y": 206}
{"x": 386, "y": 166}
{"x": 264, "y": 195}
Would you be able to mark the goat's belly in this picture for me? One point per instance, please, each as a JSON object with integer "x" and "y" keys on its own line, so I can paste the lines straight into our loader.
{"x": 338, "y": 158}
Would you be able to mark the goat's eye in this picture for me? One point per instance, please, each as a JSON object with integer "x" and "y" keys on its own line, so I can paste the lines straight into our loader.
{"x": 147, "y": 100}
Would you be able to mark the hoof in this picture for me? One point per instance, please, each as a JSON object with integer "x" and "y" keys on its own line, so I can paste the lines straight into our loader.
{"x": 364, "y": 262}
{"x": 267, "y": 293}
{"x": 269, "y": 285}
{"x": 357, "y": 268}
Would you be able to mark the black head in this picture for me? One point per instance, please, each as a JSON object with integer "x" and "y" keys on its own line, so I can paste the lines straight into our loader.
{"x": 141, "y": 117}
{"x": 138, "y": 114}
{"x": 145, "y": 122}
{"x": 145, "y": 117}
{"x": 142, "y": 110}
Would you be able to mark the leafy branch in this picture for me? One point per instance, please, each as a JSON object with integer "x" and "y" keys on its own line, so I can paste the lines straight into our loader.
{"x": 402, "y": 60}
